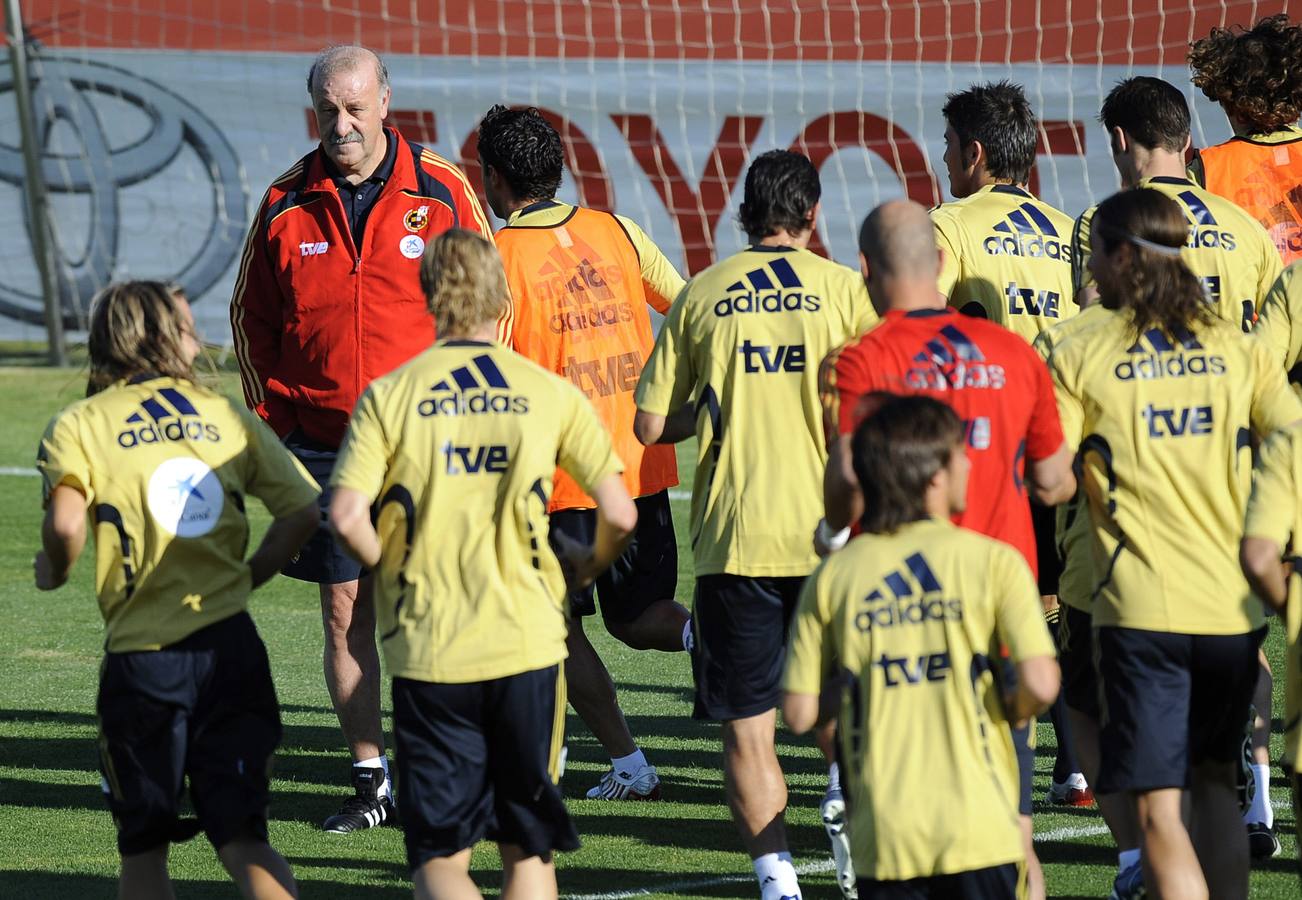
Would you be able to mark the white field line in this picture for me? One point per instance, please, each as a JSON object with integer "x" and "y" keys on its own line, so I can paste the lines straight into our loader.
{"x": 810, "y": 868}
{"x": 21, "y": 471}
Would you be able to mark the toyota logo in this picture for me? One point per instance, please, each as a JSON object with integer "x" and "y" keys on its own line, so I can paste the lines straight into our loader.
{"x": 64, "y": 97}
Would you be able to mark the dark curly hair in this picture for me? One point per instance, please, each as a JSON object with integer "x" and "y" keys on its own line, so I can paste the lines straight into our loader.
{"x": 525, "y": 148}
{"x": 1256, "y": 74}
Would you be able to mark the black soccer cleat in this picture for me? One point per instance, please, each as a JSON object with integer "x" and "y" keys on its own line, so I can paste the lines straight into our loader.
{"x": 366, "y": 808}
{"x": 1262, "y": 843}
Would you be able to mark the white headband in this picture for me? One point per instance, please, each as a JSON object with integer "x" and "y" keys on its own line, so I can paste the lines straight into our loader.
{"x": 1163, "y": 249}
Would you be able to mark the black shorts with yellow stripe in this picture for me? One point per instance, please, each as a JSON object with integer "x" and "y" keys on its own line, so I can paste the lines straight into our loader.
{"x": 482, "y": 760}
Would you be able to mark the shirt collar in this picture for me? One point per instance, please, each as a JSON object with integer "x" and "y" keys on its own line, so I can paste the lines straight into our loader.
{"x": 537, "y": 206}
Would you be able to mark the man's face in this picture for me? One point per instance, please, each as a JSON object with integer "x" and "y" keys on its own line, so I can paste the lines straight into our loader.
{"x": 491, "y": 192}
{"x": 958, "y": 177}
{"x": 189, "y": 333}
{"x": 350, "y": 108}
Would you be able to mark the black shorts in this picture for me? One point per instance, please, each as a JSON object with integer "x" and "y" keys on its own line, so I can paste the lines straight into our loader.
{"x": 1025, "y": 766}
{"x": 204, "y": 709}
{"x": 994, "y": 883}
{"x": 1044, "y": 520}
{"x": 1080, "y": 683}
{"x": 645, "y": 572}
{"x": 321, "y": 560}
{"x": 479, "y": 760}
{"x": 1169, "y": 702}
{"x": 740, "y": 629}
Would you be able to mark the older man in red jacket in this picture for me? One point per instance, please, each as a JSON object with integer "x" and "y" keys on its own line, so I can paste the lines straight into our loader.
{"x": 329, "y": 298}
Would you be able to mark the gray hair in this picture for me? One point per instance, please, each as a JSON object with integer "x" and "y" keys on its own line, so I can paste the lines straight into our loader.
{"x": 344, "y": 58}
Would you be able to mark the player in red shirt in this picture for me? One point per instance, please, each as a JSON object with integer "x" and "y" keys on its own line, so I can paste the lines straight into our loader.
{"x": 989, "y": 375}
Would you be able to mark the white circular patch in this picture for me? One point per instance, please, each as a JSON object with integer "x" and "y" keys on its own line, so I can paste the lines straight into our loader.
{"x": 185, "y": 497}
{"x": 412, "y": 246}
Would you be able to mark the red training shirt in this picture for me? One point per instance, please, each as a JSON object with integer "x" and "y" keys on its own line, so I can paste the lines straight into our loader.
{"x": 991, "y": 377}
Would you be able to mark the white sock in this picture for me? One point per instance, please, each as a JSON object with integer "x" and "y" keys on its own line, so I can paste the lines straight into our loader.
{"x": 777, "y": 876}
{"x": 1261, "y": 810}
{"x": 378, "y": 762}
{"x": 1126, "y": 859}
{"x": 688, "y": 640}
{"x": 833, "y": 778}
{"x": 629, "y": 764}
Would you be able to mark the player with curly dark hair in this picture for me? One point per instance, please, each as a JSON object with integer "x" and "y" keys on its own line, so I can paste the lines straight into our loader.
{"x": 1256, "y": 77}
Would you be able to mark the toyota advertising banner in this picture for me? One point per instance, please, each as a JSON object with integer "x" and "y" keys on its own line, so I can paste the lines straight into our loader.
{"x": 156, "y": 158}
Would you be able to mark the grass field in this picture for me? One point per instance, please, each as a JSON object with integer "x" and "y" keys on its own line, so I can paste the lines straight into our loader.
{"x": 57, "y": 840}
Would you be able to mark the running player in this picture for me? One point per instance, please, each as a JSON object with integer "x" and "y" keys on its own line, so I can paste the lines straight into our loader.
{"x": 1162, "y": 400}
{"x": 1006, "y": 252}
{"x": 1280, "y": 322}
{"x": 1254, "y": 75}
{"x": 735, "y": 364}
{"x": 459, "y": 448}
{"x": 1147, "y": 120}
{"x": 913, "y": 612}
{"x": 1274, "y": 527}
{"x": 581, "y": 281}
{"x": 162, "y": 466}
{"x": 990, "y": 376}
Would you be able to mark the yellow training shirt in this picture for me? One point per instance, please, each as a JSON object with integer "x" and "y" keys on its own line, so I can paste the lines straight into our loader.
{"x": 744, "y": 342}
{"x": 1275, "y": 513}
{"x": 459, "y": 447}
{"x": 915, "y": 619}
{"x": 1164, "y": 426}
{"x": 1280, "y": 322}
{"x": 1072, "y": 522}
{"x": 1227, "y": 248}
{"x": 1007, "y": 258}
{"x": 165, "y": 466}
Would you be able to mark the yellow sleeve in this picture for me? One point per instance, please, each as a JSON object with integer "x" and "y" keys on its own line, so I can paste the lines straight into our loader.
{"x": 865, "y": 314}
{"x": 947, "y": 239}
{"x": 585, "y": 450}
{"x": 1272, "y": 265}
{"x": 1080, "y": 252}
{"x": 1043, "y": 344}
{"x": 668, "y": 380}
{"x": 660, "y": 280}
{"x": 274, "y": 476}
{"x": 61, "y": 458}
{"x": 364, "y": 457}
{"x": 1019, "y": 615}
{"x": 1071, "y": 411}
{"x": 809, "y": 648}
{"x": 1274, "y": 406}
{"x": 1274, "y": 324}
{"x": 1272, "y": 508}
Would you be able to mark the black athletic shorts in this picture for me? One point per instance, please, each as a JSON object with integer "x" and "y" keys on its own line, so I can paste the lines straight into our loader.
{"x": 994, "y": 883}
{"x": 1044, "y": 520}
{"x": 645, "y": 572}
{"x": 321, "y": 560}
{"x": 1025, "y": 765}
{"x": 203, "y": 708}
{"x": 479, "y": 760}
{"x": 1080, "y": 683}
{"x": 740, "y": 629}
{"x": 1170, "y": 702}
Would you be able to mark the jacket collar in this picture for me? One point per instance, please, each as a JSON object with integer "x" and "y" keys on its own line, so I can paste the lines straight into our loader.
{"x": 403, "y": 178}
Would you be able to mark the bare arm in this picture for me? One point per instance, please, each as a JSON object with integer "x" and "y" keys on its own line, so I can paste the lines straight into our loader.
{"x": 842, "y": 499}
{"x": 63, "y": 537}
{"x": 1051, "y": 480}
{"x": 1038, "y": 679}
{"x": 1266, "y": 574}
{"x": 799, "y": 711}
{"x": 350, "y": 520}
{"x": 282, "y": 540}
{"x": 651, "y": 428}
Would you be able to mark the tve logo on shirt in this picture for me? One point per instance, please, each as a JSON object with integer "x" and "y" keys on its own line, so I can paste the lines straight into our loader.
{"x": 465, "y": 393}
{"x": 772, "y": 288}
{"x": 175, "y": 420}
{"x": 1027, "y": 232}
{"x": 1154, "y": 356}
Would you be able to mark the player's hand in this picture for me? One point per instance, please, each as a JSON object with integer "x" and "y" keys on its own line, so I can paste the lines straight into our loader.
{"x": 46, "y": 578}
{"x": 820, "y": 548}
{"x": 575, "y": 558}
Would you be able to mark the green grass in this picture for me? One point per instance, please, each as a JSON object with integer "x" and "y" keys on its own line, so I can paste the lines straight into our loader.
{"x": 56, "y": 839}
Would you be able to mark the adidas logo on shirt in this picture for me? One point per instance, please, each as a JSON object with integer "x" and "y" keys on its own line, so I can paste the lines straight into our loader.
{"x": 1204, "y": 231}
{"x": 772, "y": 288}
{"x": 466, "y": 392}
{"x": 1026, "y": 231}
{"x": 911, "y": 596}
{"x": 158, "y": 422}
{"x": 1154, "y": 356}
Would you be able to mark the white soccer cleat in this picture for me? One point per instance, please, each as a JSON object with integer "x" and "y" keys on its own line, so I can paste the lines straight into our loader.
{"x": 644, "y": 784}
{"x": 832, "y": 810}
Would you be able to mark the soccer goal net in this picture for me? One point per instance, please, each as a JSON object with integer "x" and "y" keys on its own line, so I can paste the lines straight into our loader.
{"x": 161, "y": 122}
